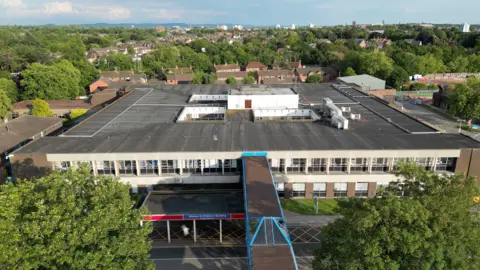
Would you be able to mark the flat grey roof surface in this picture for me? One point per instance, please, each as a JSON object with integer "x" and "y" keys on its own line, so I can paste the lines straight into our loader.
{"x": 226, "y": 202}
{"x": 143, "y": 121}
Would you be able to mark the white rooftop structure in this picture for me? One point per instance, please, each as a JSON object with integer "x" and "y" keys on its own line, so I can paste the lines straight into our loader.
{"x": 262, "y": 97}
{"x": 466, "y": 28}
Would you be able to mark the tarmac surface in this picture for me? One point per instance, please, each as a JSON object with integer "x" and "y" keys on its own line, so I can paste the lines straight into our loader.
{"x": 217, "y": 257}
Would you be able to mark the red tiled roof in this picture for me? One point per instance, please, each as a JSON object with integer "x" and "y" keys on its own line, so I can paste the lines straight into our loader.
{"x": 255, "y": 65}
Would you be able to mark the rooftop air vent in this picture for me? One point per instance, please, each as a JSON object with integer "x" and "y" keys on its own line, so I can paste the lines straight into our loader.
{"x": 346, "y": 109}
{"x": 355, "y": 116}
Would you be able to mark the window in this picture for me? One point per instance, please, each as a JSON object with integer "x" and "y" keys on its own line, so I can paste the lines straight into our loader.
{"x": 149, "y": 167}
{"x": 338, "y": 165}
{"x": 340, "y": 190}
{"x": 106, "y": 167}
{"x": 170, "y": 166}
{"x": 398, "y": 161}
{"x": 446, "y": 164}
{"x": 361, "y": 190}
{"x": 212, "y": 166}
{"x": 127, "y": 167}
{"x": 380, "y": 165}
{"x": 320, "y": 190}
{"x": 298, "y": 190}
{"x": 233, "y": 165}
{"x": 192, "y": 166}
{"x": 280, "y": 189}
{"x": 424, "y": 162}
{"x": 62, "y": 165}
{"x": 296, "y": 165}
{"x": 358, "y": 165}
{"x": 317, "y": 165}
{"x": 277, "y": 165}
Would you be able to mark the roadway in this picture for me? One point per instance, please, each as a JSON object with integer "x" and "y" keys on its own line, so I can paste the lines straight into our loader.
{"x": 217, "y": 257}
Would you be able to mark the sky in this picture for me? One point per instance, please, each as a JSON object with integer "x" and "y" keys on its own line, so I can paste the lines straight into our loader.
{"x": 246, "y": 12}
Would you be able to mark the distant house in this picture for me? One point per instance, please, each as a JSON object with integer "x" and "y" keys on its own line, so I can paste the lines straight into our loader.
{"x": 413, "y": 42}
{"x": 226, "y": 68}
{"x": 276, "y": 76}
{"x": 361, "y": 42}
{"x": 238, "y": 75}
{"x": 160, "y": 28}
{"x": 180, "y": 78}
{"x": 328, "y": 73}
{"x": 178, "y": 70}
{"x": 380, "y": 43}
{"x": 255, "y": 66}
{"x": 295, "y": 64}
{"x": 116, "y": 79}
{"x": 18, "y": 132}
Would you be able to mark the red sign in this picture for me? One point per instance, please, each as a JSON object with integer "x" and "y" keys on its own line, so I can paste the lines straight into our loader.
{"x": 188, "y": 217}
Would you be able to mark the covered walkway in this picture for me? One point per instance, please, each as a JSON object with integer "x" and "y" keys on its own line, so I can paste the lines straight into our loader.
{"x": 268, "y": 241}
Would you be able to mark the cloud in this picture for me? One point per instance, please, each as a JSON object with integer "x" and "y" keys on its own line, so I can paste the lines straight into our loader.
{"x": 55, "y": 8}
{"x": 118, "y": 13}
{"x": 13, "y": 3}
{"x": 177, "y": 14}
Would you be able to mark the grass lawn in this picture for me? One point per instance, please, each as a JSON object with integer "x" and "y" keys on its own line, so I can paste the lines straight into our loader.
{"x": 303, "y": 206}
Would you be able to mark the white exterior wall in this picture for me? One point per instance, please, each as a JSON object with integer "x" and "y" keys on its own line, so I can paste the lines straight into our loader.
{"x": 196, "y": 111}
{"x": 280, "y": 113}
{"x": 237, "y": 102}
{"x": 208, "y": 98}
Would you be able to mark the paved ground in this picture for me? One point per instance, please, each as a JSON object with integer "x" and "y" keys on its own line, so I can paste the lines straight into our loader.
{"x": 444, "y": 124}
{"x": 217, "y": 258}
{"x": 294, "y": 219}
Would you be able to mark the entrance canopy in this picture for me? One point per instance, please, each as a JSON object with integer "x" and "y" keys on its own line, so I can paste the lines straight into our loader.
{"x": 194, "y": 205}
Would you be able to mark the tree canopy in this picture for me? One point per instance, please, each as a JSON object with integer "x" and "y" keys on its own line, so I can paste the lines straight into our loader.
{"x": 464, "y": 100}
{"x": 249, "y": 79}
{"x": 5, "y": 104}
{"x": 71, "y": 220}
{"x": 231, "y": 80}
{"x": 41, "y": 108}
{"x": 10, "y": 88}
{"x": 431, "y": 227}
{"x": 314, "y": 78}
{"x": 59, "y": 81}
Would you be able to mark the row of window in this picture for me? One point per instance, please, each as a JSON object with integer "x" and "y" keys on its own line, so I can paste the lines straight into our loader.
{"x": 320, "y": 190}
{"x": 154, "y": 167}
{"x": 228, "y": 166}
{"x": 319, "y": 165}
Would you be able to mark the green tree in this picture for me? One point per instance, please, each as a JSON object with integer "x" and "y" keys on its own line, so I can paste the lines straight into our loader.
{"x": 10, "y": 88}
{"x": 349, "y": 72}
{"x": 60, "y": 81}
{"x": 209, "y": 78}
{"x": 198, "y": 79}
{"x": 41, "y": 108}
{"x": 314, "y": 78}
{"x": 5, "y": 104}
{"x": 432, "y": 227}
{"x": 464, "y": 100}
{"x": 397, "y": 77}
{"x": 131, "y": 50}
{"x": 76, "y": 113}
{"x": 249, "y": 80}
{"x": 231, "y": 80}
{"x": 429, "y": 64}
{"x": 88, "y": 72}
{"x": 71, "y": 220}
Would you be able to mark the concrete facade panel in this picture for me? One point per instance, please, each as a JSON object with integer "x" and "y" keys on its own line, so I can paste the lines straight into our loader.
{"x": 351, "y": 189}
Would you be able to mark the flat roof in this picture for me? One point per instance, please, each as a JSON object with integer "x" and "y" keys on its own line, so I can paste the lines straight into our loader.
{"x": 261, "y": 194}
{"x": 195, "y": 202}
{"x": 262, "y": 90}
{"x": 363, "y": 79}
{"x": 143, "y": 121}
{"x": 23, "y": 128}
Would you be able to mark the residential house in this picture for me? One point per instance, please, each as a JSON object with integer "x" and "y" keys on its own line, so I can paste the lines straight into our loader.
{"x": 180, "y": 78}
{"x": 295, "y": 64}
{"x": 413, "y": 42}
{"x": 238, "y": 75}
{"x": 178, "y": 70}
{"x": 116, "y": 79}
{"x": 276, "y": 76}
{"x": 255, "y": 66}
{"x": 380, "y": 43}
{"x": 19, "y": 132}
{"x": 328, "y": 73}
{"x": 160, "y": 28}
{"x": 361, "y": 42}
{"x": 226, "y": 68}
